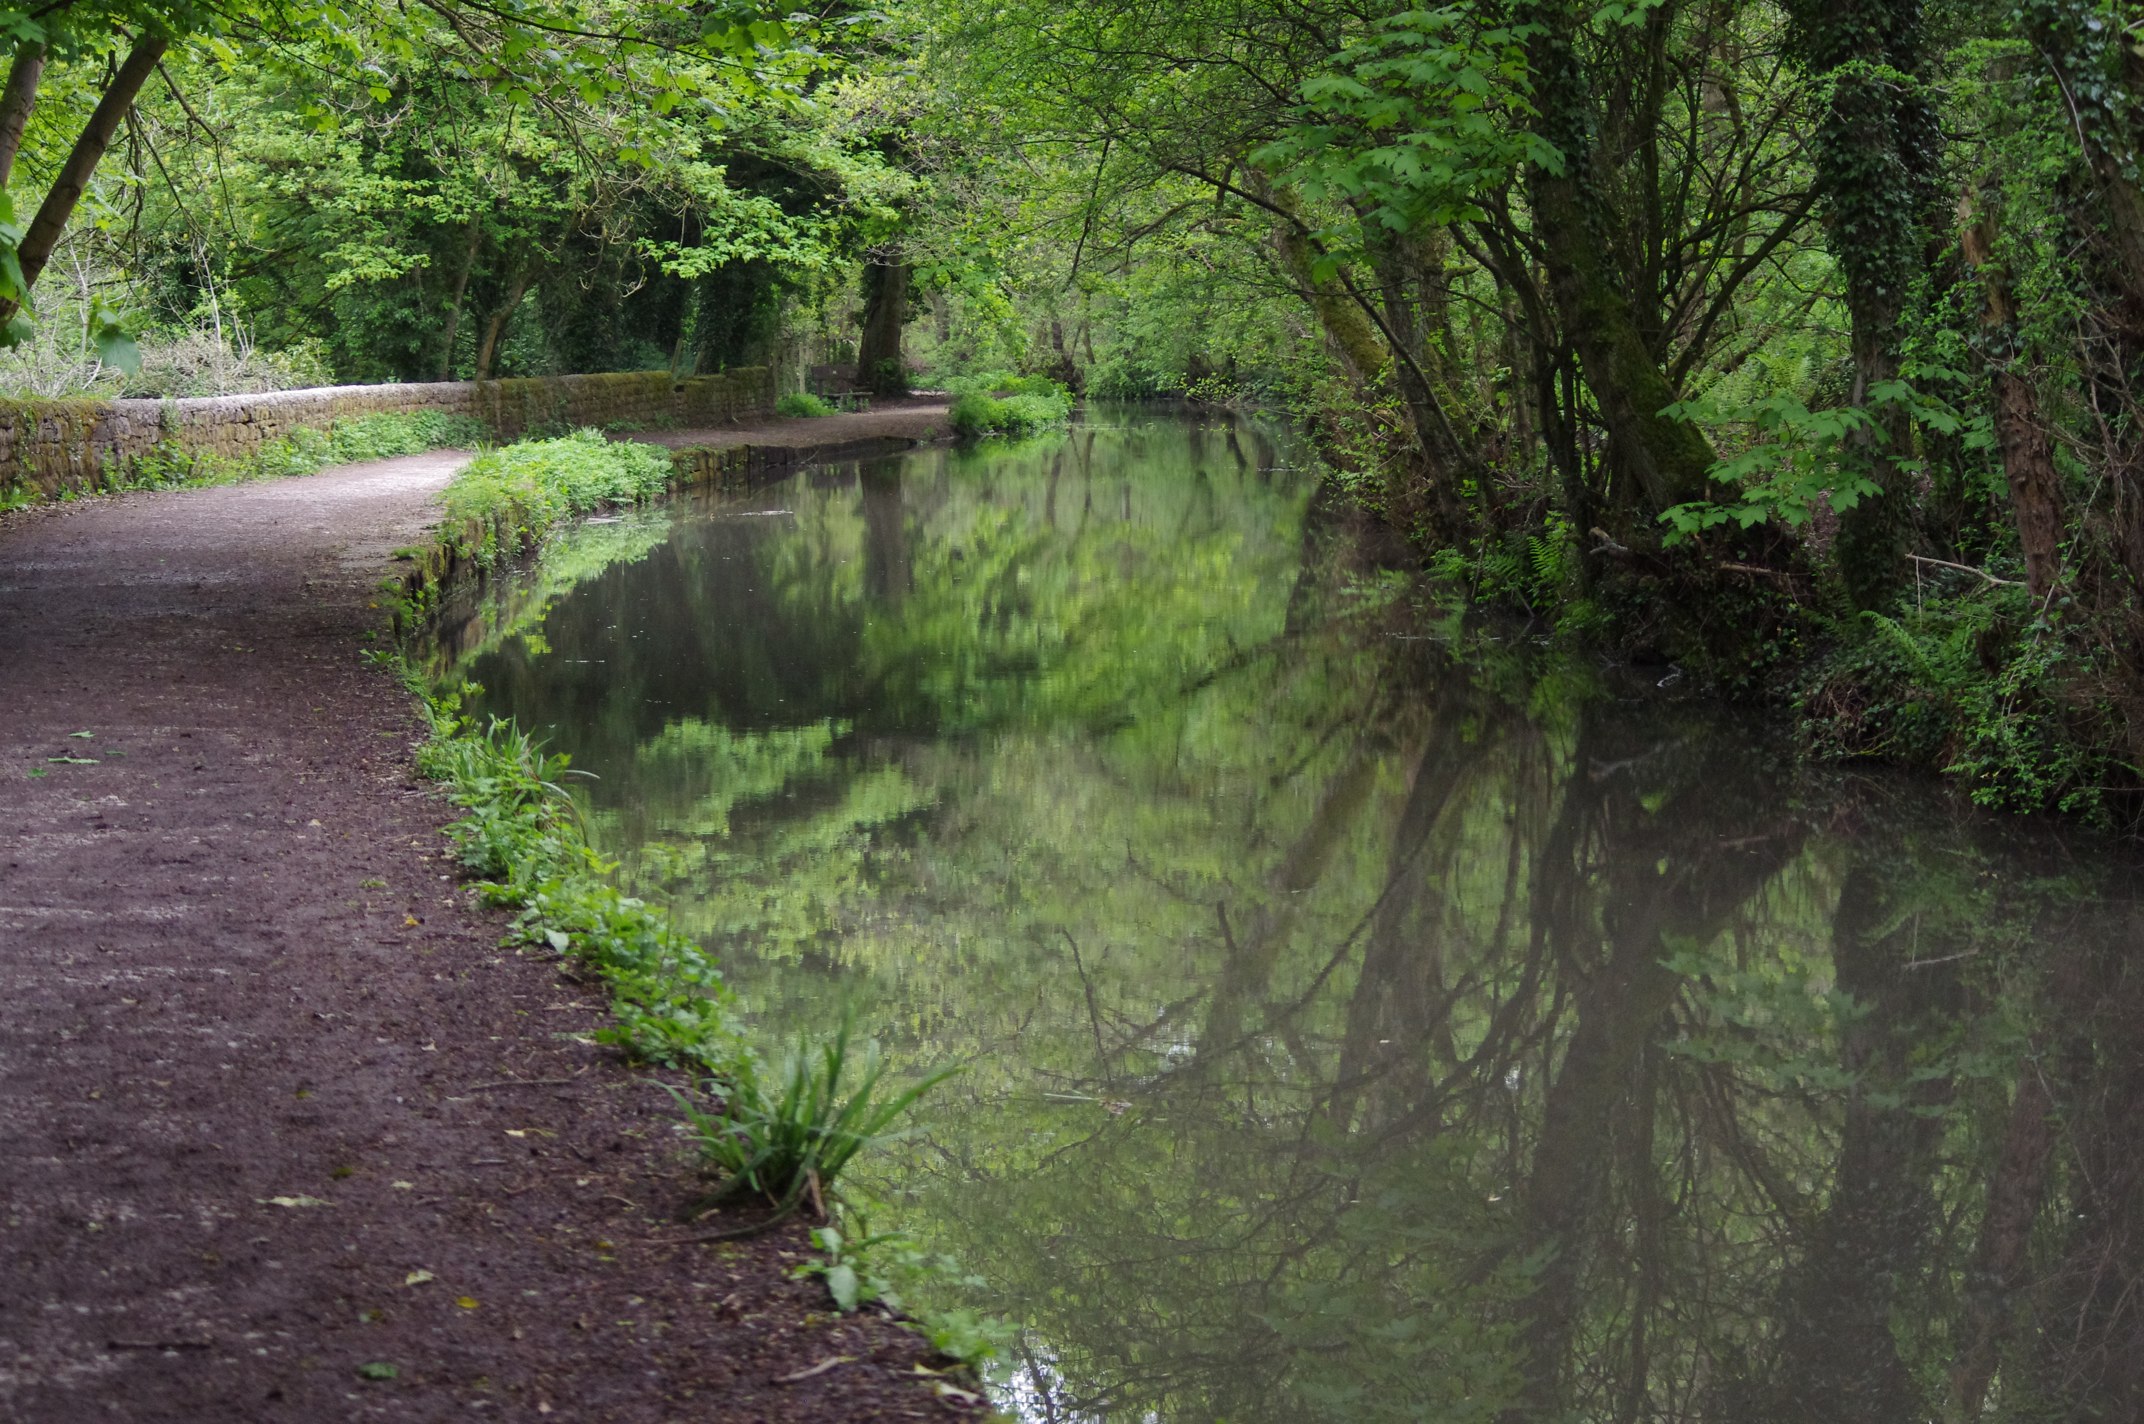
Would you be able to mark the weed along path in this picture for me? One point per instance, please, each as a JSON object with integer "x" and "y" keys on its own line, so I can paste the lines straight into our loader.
{"x": 284, "y": 1134}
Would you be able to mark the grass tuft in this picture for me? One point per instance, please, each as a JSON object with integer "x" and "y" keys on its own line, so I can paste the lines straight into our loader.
{"x": 786, "y": 1136}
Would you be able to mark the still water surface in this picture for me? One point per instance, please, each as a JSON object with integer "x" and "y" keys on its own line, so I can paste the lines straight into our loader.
{"x": 1360, "y": 1023}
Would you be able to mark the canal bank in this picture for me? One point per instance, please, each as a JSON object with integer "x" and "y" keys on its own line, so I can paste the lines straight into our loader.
{"x": 289, "y": 1135}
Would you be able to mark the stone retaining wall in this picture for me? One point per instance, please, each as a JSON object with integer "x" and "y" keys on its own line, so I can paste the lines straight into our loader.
{"x": 55, "y": 446}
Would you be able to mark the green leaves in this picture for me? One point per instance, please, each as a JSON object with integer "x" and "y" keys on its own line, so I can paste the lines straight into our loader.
{"x": 843, "y": 1285}
{"x": 1803, "y": 459}
{"x": 1419, "y": 120}
{"x": 108, "y": 334}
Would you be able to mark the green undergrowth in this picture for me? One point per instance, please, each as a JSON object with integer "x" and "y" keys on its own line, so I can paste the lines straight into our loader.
{"x": 801, "y": 405}
{"x": 1968, "y": 678}
{"x": 520, "y": 835}
{"x": 1007, "y": 405}
{"x": 1985, "y": 686}
{"x": 507, "y": 500}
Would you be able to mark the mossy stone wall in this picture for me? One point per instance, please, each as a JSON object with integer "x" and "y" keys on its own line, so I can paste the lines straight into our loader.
{"x": 60, "y": 445}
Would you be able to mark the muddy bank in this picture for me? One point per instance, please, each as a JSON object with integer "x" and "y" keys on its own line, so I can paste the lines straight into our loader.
{"x": 288, "y": 1135}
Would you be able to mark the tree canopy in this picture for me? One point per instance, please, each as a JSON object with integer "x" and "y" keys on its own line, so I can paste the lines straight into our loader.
{"x": 1796, "y": 344}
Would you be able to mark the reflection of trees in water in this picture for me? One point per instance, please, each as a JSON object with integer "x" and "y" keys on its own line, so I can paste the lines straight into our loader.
{"x": 1530, "y": 1156}
{"x": 1358, "y": 1034}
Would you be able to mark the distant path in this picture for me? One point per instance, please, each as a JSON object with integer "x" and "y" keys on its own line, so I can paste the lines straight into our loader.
{"x": 234, "y": 969}
{"x": 915, "y": 419}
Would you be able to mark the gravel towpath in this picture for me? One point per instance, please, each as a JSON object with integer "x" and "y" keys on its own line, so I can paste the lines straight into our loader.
{"x": 284, "y": 1135}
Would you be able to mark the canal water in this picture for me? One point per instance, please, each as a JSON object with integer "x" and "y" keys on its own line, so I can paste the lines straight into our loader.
{"x": 1360, "y": 1017}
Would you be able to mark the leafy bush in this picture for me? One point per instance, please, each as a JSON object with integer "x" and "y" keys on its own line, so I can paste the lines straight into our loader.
{"x": 799, "y": 404}
{"x": 787, "y": 1140}
{"x": 1007, "y": 405}
{"x": 508, "y": 499}
{"x": 862, "y": 1265}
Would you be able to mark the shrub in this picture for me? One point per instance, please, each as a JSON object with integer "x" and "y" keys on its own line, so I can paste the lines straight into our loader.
{"x": 802, "y": 404}
{"x": 1007, "y": 405}
{"x": 1981, "y": 684}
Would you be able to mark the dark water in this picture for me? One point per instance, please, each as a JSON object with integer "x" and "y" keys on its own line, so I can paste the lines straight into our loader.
{"x": 1361, "y": 1023}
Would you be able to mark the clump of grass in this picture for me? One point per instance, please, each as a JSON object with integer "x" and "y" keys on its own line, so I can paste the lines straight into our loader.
{"x": 1007, "y": 405}
{"x": 784, "y": 1137}
{"x": 508, "y": 499}
{"x": 801, "y": 404}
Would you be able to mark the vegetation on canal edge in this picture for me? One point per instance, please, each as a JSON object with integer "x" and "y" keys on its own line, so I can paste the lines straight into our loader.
{"x": 783, "y": 1135}
{"x": 1000, "y": 404}
{"x": 520, "y": 833}
{"x": 802, "y": 405}
{"x": 508, "y": 499}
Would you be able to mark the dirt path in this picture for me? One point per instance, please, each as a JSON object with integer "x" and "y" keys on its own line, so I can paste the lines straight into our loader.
{"x": 915, "y": 419}
{"x": 273, "y": 1106}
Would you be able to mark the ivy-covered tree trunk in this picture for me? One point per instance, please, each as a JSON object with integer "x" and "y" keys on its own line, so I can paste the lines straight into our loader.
{"x": 880, "y": 366}
{"x": 2101, "y": 78}
{"x": 1876, "y": 153}
{"x": 1658, "y": 459}
{"x": 2020, "y": 433}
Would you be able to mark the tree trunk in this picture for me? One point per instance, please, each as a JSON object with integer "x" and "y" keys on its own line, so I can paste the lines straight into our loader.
{"x": 1664, "y": 461}
{"x": 2028, "y": 456}
{"x": 1876, "y": 152}
{"x": 454, "y": 302}
{"x": 487, "y": 353}
{"x": 880, "y": 367}
{"x": 59, "y": 204}
{"x": 16, "y": 102}
{"x": 2083, "y": 54}
{"x": 1368, "y": 353}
